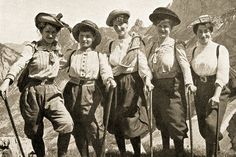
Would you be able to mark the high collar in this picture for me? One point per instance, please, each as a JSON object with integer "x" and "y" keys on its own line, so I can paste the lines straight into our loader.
{"x": 85, "y": 51}
{"x": 204, "y": 45}
{"x": 127, "y": 38}
{"x": 167, "y": 41}
{"x": 55, "y": 46}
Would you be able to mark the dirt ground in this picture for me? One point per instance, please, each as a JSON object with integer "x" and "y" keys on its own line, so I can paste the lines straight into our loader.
{"x": 198, "y": 142}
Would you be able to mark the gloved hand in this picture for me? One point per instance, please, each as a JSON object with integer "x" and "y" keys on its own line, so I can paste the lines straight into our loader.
{"x": 214, "y": 99}
{"x": 148, "y": 85}
{"x": 191, "y": 87}
{"x": 110, "y": 83}
{"x": 4, "y": 87}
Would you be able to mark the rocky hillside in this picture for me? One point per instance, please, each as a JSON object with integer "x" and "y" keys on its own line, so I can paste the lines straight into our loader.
{"x": 7, "y": 57}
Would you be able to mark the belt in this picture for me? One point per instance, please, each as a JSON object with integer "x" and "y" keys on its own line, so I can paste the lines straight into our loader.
{"x": 81, "y": 82}
{"x": 205, "y": 79}
{"x": 42, "y": 81}
{"x": 163, "y": 75}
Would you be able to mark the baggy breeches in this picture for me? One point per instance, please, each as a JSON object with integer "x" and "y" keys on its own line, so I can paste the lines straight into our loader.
{"x": 206, "y": 113}
{"x": 83, "y": 101}
{"x": 38, "y": 101}
{"x": 169, "y": 106}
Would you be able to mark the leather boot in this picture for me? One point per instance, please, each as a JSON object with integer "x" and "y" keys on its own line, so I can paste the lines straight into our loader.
{"x": 38, "y": 146}
{"x": 120, "y": 140}
{"x": 165, "y": 140}
{"x": 82, "y": 145}
{"x": 97, "y": 145}
{"x": 136, "y": 143}
{"x": 62, "y": 144}
{"x": 179, "y": 148}
{"x": 210, "y": 149}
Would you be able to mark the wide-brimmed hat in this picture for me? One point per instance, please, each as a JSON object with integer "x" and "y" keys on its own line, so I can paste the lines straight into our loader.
{"x": 49, "y": 18}
{"x": 164, "y": 13}
{"x": 87, "y": 23}
{"x": 114, "y": 14}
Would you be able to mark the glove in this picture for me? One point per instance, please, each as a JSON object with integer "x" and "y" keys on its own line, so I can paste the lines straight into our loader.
{"x": 110, "y": 83}
{"x": 191, "y": 87}
{"x": 148, "y": 85}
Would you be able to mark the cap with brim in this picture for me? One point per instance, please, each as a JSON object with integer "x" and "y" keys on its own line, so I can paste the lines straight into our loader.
{"x": 202, "y": 19}
{"x": 49, "y": 18}
{"x": 164, "y": 13}
{"x": 114, "y": 14}
{"x": 87, "y": 23}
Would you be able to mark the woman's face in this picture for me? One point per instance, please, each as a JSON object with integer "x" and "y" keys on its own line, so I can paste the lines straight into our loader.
{"x": 164, "y": 28}
{"x": 203, "y": 34}
{"x": 121, "y": 28}
{"x": 49, "y": 33}
{"x": 86, "y": 39}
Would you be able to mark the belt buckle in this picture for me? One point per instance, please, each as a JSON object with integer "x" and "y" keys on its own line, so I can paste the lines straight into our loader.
{"x": 44, "y": 82}
{"x": 81, "y": 82}
{"x": 203, "y": 79}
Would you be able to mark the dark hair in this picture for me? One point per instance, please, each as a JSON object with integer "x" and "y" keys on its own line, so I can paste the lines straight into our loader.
{"x": 121, "y": 19}
{"x": 158, "y": 20}
{"x": 87, "y": 29}
{"x": 42, "y": 25}
{"x": 209, "y": 26}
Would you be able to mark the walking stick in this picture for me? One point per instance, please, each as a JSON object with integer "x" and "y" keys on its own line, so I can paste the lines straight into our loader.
{"x": 150, "y": 121}
{"x": 217, "y": 130}
{"x": 108, "y": 109}
{"x": 13, "y": 124}
{"x": 149, "y": 113}
{"x": 189, "y": 103}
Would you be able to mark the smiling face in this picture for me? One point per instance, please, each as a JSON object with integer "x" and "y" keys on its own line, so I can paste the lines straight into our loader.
{"x": 203, "y": 34}
{"x": 86, "y": 39}
{"x": 121, "y": 28}
{"x": 49, "y": 33}
{"x": 164, "y": 28}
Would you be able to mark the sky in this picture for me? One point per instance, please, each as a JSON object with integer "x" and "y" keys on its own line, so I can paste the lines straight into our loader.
{"x": 17, "y": 16}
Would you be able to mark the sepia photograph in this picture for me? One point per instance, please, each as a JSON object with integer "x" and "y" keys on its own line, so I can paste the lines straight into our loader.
{"x": 120, "y": 78}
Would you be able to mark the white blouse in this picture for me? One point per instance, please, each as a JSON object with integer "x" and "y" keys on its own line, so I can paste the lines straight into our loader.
{"x": 119, "y": 50}
{"x": 168, "y": 59}
{"x": 123, "y": 62}
{"x": 205, "y": 62}
{"x": 43, "y": 63}
{"x": 86, "y": 65}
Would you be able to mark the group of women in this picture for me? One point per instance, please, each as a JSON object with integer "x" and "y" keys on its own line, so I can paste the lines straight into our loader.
{"x": 129, "y": 67}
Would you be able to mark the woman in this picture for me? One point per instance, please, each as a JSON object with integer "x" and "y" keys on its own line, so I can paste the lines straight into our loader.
{"x": 171, "y": 74}
{"x": 82, "y": 95}
{"x": 41, "y": 98}
{"x": 131, "y": 73}
{"x": 210, "y": 67}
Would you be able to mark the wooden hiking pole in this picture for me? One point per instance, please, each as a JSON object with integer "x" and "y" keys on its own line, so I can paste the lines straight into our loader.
{"x": 217, "y": 130}
{"x": 148, "y": 97}
{"x": 189, "y": 109}
{"x": 150, "y": 122}
{"x": 13, "y": 124}
{"x": 107, "y": 111}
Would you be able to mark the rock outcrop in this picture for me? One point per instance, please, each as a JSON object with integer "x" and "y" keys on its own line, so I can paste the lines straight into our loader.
{"x": 7, "y": 58}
